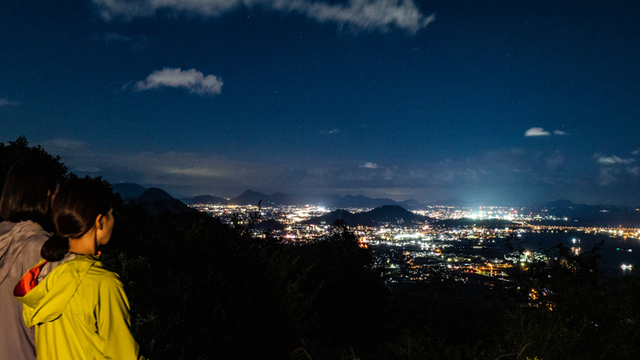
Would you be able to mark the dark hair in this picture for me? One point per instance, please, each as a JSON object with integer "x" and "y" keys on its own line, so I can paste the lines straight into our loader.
{"x": 75, "y": 209}
{"x": 24, "y": 196}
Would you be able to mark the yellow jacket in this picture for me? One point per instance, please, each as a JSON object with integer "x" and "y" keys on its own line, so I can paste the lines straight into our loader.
{"x": 79, "y": 311}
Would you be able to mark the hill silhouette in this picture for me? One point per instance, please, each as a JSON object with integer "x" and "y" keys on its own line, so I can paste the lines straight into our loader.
{"x": 158, "y": 201}
{"x": 387, "y": 214}
{"x": 250, "y": 197}
{"x": 128, "y": 191}
{"x": 205, "y": 199}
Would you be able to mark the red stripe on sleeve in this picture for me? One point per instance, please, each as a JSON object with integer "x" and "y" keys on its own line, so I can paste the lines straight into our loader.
{"x": 28, "y": 280}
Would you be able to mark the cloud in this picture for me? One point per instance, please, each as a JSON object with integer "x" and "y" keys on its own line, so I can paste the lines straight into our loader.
{"x": 612, "y": 160}
{"x": 608, "y": 176}
{"x": 357, "y": 14}
{"x": 87, "y": 169}
{"x": 556, "y": 160}
{"x": 508, "y": 174}
{"x": 536, "y": 131}
{"x": 635, "y": 152}
{"x": 7, "y": 102}
{"x": 329, "y": 132}
{"x": 192, "y": 80}
{"x": 60, "y": 144}
{"x": 616, "y": 171}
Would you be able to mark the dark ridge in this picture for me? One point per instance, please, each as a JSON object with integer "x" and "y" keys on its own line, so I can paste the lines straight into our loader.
{"x": 328, "y": 219}
{"x": 388, "y": 214}
{"x": 205, "y": 199}
{"x": 128, "y": 191}
{"x": 157, "y": 201}
{"x": 249, "y": 197}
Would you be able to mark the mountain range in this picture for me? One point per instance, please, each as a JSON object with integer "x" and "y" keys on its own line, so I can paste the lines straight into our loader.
{"x": 131, "y": 191}
{"x": 250, "y": 197}
{"x": 579, "y": 214}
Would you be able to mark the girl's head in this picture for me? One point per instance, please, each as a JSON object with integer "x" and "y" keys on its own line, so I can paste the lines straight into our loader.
{"x": 82, "y": 209}
{"x": 27, "y": 191}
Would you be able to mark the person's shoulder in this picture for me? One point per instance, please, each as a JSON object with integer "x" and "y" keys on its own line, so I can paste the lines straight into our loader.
{"x": 34, "y": 233}
{"x": 6, "y": 226}
{"x": 28, "y": 231}
{"x": 106, "y": 277}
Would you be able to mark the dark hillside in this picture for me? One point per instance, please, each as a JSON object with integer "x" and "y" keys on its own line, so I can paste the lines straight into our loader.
{"x": 128, "y": 191}
{"x": 248, "y": 198}
{"x": 205, "y": 199}
{"x": 157, "y": 201}
{"x": 349, "y": 218}
{"x": 379, "y": 216}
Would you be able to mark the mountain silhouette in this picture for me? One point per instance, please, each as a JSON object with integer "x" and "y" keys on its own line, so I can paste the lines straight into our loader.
{"x": 205, "y": 199}
{"x": 388, "y": 214}
{"x": 249, "y": 197}
{"x": 128, "y": 191}
{"x": 157, "y": 201}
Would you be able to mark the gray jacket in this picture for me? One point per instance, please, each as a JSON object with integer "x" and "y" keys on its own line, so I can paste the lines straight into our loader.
{"x": 20, "y": 245}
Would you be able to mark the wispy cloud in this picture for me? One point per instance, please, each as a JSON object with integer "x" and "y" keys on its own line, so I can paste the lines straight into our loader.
{"x": 357, "y": 14}
{"x": 7, "y": 102}
{"x": 192, "y": 80}
{"x": 616, "y": 171}
{"x": 612, "y": 160}
{"x": 536, "y": 131}
{"x": 61, "y": 145}
{"x": 503, "y": 173}
{"x": 556, "y": 160}
{"x": 330, "y": 132}
{"x": 87, "y": 169}
{"x": 635, "y": 152}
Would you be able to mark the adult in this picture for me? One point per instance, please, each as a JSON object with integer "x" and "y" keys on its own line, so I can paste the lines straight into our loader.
{"x": 25, "y": 209}
{"x": 79, "y": 310}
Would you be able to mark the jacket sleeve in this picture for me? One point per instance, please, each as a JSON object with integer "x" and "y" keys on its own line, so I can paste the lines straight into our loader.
{"x": 113, "y": 320}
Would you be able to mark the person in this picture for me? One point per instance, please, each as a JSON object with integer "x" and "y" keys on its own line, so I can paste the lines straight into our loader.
{"x": 25, "y": 210}
{"x": 79, "y": 310}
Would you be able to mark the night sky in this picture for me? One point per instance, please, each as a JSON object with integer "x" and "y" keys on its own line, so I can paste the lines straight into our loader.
{"x": 494, "y": 102}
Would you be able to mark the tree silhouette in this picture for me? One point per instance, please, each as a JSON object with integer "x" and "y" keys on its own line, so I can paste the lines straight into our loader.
{"x": 20, "y": 150}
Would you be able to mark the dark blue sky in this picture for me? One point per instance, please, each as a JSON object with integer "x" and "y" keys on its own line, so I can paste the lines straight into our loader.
{"x": 503, "y": 102}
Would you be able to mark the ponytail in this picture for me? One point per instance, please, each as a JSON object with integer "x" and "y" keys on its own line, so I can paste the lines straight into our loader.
{"x": 55, "y": 248}
{"x": 75, "y": 208}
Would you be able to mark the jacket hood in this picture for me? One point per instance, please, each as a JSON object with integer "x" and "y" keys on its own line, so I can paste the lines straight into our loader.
{"x": 46, "y": 301}
{"x": 11, "y": 242}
